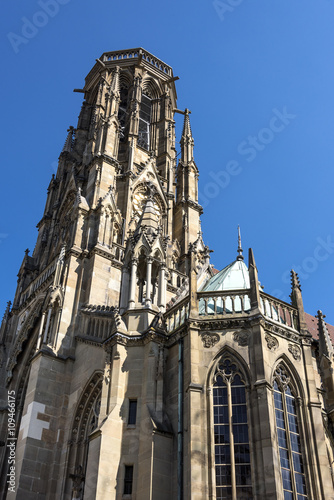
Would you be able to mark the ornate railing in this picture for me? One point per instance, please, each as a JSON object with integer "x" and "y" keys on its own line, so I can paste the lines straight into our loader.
{"x": 224, "y": 302}
{"x": 96, "y": 321}
{"x": 177, "y": 315}
{"x": 135, "y": 54}
{"x": 279, "y": 311}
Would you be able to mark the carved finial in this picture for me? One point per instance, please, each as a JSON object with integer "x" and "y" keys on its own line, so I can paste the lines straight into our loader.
{"x": 69, "y": 140}
{"x": 27, "y": 251}
{"x": 186, "y": 124}
{"x": 115, "y": 81}
{"x": 325, "y": 342}
{"x": 62, "y": 252}
{"x": 7, "y": 311}
{"x": 240, "y": 256}
{"x": 295, "y": 280}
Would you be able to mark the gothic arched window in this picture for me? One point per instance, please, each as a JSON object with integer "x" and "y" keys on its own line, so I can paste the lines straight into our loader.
{"x": 289, "y": 443}
{"x": 144, "y": 122}
{"x": 231, "y": 440}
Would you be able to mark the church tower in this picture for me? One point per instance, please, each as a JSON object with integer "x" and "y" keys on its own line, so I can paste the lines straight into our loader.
{"x": 131, "y": 368}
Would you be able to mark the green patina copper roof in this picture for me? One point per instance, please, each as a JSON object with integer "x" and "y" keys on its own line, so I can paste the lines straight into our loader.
{"x": 235, "y": 276}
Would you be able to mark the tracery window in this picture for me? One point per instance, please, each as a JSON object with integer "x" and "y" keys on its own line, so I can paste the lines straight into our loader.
{"x": 289, "y": 443}
{"x": 144, "y": 122}
{"x": 231, "y": 440}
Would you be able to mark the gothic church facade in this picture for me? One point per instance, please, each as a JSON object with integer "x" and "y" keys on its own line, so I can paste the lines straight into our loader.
{"x": 138, "y": 371}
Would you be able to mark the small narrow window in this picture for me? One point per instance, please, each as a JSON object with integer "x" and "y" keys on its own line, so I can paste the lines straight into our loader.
{"x": 132, "y": 412}
{"x": 128, "y": 479}
{"x": 123, "y": 113}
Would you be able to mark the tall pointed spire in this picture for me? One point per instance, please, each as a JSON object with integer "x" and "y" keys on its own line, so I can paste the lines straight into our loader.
{"x": 325, "y": 343}
{"x": 186, "y": 132}
{"x": 240, "y": 256}
{"x": 187, "y": 141}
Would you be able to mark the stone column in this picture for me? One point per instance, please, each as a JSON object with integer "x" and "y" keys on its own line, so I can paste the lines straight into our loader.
{"x": 133, "y": 283}
{"x": 124, "y": 290}
{"x": 162, "y": 288}
{"x": 47, "y": 325}
{"x": 39, "y": 341}
{"x": 148, "y": 302}
{"x": 57, "y": 325}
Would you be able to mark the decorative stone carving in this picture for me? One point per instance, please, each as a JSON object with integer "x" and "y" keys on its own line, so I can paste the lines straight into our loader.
{"x": 241, "y": 338}
{"x": 295, "y": 351}
{"x": 282, "y": 376}
{"x": 272, "y": 342}
{"x": 209, "y": 340}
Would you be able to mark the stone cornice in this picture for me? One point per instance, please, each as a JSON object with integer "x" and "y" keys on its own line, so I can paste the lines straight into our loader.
{"x": 134, "y": 340}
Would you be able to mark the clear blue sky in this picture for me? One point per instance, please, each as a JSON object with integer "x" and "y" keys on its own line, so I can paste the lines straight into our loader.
{"x": 258, "y": 76}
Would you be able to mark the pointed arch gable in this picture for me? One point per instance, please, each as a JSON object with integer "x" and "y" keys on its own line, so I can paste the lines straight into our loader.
{"x": 151, "y": 88}
{"x": 295, "y": 379}
{"x": 125, "y": 79}
{"x": 84, "y": 404}
{"x": 228, "y": 352}
{"x": 78, "y": 445}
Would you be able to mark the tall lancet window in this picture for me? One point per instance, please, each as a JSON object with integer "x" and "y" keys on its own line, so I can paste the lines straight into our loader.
{"x": 232, "y": 453}
{"x": 144, "y": 122}
{"x": 123, "y": 113}
{"x": 289, "y": 443}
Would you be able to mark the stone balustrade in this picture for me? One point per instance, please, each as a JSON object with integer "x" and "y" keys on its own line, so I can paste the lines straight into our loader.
{"x": 224, "y": 302}
{"x": 177, "y": 315}
{"x": 96, "y": 321}
{"x": 279, "y": 311}
{"x": 121, "y": 55}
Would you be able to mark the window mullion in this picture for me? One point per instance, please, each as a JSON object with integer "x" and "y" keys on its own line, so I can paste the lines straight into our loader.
{"x": 230, "y": 421}
{"x": 287, "y": 427}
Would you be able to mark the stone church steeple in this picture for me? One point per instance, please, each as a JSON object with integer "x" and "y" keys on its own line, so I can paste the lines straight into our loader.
{"x": 136, "y": 369}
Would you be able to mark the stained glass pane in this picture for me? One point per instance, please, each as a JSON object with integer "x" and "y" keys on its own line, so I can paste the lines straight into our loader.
{"x": 300, "y": 483}
{"x": 238, "y": 395}
{"x": 223, "y": 475}
{"x": 222, "y": 454}
{"x": 240, "y": 433}
{"x": 242, "y": 475}
{"x": 224, "y": 493}
{"x": 222, "y": 434}
{"x": 241, "y": 453}
{"x": 284, "y": 456}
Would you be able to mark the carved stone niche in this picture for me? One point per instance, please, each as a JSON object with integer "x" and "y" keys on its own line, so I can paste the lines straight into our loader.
{"x": 241, "y": 338}
{"x": 272, "y": 342}
{"x": 209, "y": 339}
{"x": 295, "y": 351}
